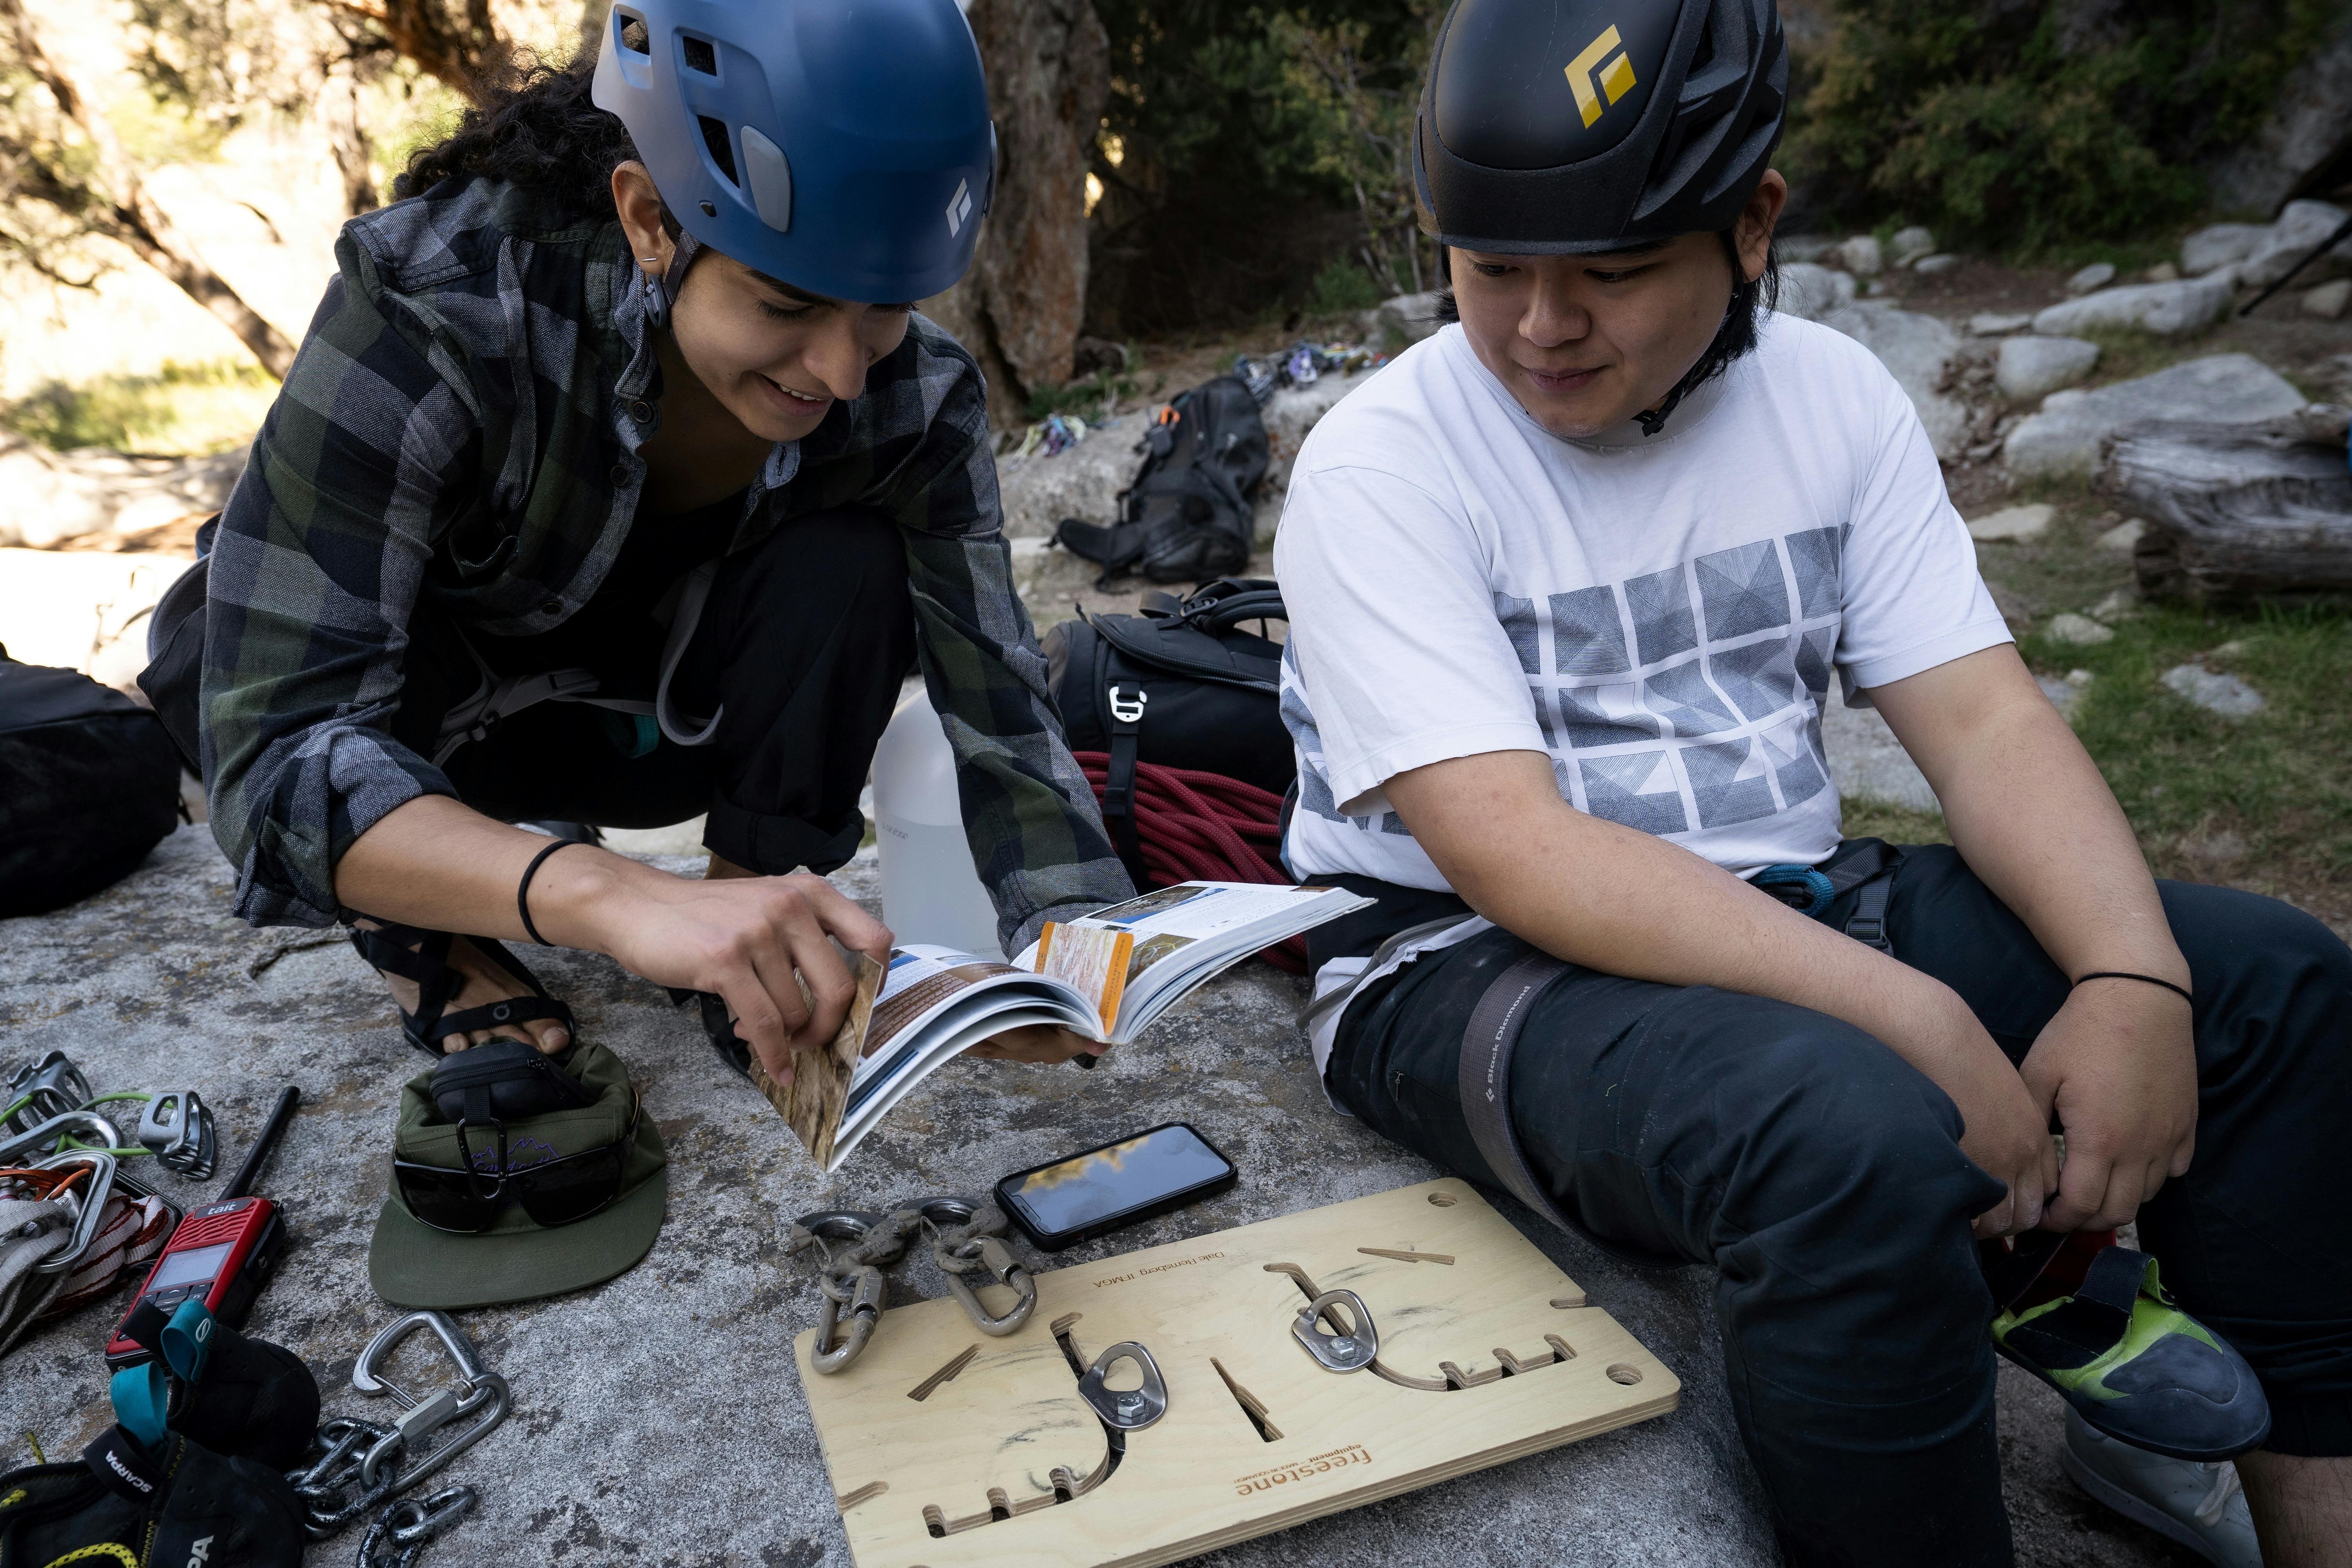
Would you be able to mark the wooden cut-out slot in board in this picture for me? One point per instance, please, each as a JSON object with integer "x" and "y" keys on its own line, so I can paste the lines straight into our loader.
{"x": 1005, "y": 1465}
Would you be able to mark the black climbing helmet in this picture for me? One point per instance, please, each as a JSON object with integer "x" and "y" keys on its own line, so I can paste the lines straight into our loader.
{"x": 1551, "y": 126}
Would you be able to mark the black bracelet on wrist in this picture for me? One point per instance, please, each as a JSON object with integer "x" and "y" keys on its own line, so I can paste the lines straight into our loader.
{"x": 2149, "y": 979}
{"x": 522, "y": 889}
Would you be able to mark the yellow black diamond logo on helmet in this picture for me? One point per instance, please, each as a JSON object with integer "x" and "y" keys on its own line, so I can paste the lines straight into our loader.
{"x": 1590, "y": 79}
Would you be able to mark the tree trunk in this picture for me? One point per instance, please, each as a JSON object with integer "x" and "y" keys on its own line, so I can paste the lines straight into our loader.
{"x": 2238, "y": 511}
{"x": 1018, "y": 311}
{"x": 462, "y": 50}
{"x": 127, "y": 214}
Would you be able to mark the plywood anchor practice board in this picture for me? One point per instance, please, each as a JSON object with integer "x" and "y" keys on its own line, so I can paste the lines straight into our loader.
{"x": 949, "y": 1448}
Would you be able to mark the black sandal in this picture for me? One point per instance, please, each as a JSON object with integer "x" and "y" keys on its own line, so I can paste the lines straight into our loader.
{"x": 732, "y": 1048}
{"x": 388, "y": 948}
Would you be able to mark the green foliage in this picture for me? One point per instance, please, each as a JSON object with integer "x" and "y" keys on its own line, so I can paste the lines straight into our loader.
{"x": 1086, "y": 397}
{"x": 194, "y": 409}
{"x": 2276, "y": 778}
{"x": 2034, "y": 124}
{"x": 1343, "y": 286}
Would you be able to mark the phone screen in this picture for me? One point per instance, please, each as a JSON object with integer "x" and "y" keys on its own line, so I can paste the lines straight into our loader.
{"x": 1088, "y": 1188}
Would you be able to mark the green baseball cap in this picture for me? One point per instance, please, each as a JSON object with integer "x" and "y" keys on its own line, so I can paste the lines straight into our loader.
{"x": 411, "y": 1264}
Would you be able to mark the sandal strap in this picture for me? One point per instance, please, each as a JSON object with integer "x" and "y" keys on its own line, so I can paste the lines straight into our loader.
{"x": 423, "y": 956}
{"x": 492, "y": 1014}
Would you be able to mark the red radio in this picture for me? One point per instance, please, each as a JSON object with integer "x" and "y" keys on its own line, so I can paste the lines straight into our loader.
{"x": 222, "y": 1254}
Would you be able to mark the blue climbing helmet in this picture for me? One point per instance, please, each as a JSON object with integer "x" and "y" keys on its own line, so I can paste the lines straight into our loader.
{"x": 843, "y": 146}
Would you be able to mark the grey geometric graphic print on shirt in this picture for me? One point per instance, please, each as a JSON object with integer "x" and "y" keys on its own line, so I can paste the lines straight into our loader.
{"x": 1673, "y": 703}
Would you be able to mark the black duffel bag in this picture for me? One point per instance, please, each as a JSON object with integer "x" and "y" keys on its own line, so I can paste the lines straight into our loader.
{"x": 1180, "y": 685}
{"x": 89, "y": 784}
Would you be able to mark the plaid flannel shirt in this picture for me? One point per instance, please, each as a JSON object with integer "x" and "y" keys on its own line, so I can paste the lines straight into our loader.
{"x": 462, "y": 423}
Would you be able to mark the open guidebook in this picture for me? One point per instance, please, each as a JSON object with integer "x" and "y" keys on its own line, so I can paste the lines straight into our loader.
{"x": 1106, "y": 976}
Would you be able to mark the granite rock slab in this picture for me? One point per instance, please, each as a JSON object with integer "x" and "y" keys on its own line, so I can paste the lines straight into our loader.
{"x": 658, "y": 1419}
{"x": 2167, "y": 309}
{"x": 2064, "y": 437}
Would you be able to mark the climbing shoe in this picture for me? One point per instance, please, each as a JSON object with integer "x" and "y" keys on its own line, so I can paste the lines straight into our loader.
{"x": 245, "y": 1398}
{"x": 2199, "y": 1505}
{"x": 126, "y": 1502}
{"x": 2137, "y": 1367}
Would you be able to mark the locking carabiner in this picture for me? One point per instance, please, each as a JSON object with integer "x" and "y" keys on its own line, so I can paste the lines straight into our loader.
{"x": 974, "y": 1243}
{"x": 476, "y": 1391}
{"x": 92, "y": 1200}
{"x": 865, "y": 1293}
{"x": 1003, "y": 1269}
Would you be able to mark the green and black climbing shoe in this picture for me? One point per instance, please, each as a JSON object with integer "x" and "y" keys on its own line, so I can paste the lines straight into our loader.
{"x": 2137, "y": 1367}
{"x": 128, "y": 1503}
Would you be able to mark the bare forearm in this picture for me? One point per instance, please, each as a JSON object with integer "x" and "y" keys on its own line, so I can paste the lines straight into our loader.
{"x": 442, "y": 866}
{"x": 1622, "y": 901}
{"x": 2031, "y": 814}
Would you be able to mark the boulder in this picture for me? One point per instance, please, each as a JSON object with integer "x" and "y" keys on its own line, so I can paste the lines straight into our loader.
{"x": 2302, "y": 226}
{"x": 2213, "y": 691}
{"x": 82, "y": 609}
{"x": 1994, "y": 325}
{"x": 1910, "y": 243}
{"x": 1803, "y": 247}
{"x": 2305, "y": 137}
{"x": 2081, "y": 631}
{"x": 2237, "y": 512}
{"x": 2064, "y": 438}
{"x": 2012, "y": 523}
{"x": 2123, "y": 537}
{"x": 2030, "y": 368}
{"x": 2167, "y": 309}
{"x": 1813, "y": 292}
{"x": 2162, "y": 272}
{"x": 1943, "y": 261}
{"x": 1409, "y": 317}
{"x": 1915, "y": 348}
{"x": 2216, "y": 246}
{"x": 2327, "y": 301}
{"x": 2098, "y": 275}
{"x": 1866, "y": 761}
{"x": 1863, "y": 256}
{"x": 48, "y": 496}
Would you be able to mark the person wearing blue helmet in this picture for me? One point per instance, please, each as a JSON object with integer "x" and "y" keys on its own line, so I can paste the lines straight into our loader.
{"x": 1569, "y": 581}
{"x": 617, "y": 481}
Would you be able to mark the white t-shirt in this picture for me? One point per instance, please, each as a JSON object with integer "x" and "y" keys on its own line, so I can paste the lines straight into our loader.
{"x": 1660, "y": 616}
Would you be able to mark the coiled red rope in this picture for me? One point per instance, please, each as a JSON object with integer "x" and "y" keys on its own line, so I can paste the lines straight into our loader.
{"x": 1191, "y": 824}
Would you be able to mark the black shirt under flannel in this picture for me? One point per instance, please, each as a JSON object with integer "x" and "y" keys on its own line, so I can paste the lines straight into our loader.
{"x": 462, "y": 424}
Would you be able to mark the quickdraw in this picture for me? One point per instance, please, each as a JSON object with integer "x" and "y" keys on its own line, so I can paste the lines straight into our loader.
{"x": 355, "y": 1465}
{"x": 967, "y": 1239}
{"x": 410, "y": 1524}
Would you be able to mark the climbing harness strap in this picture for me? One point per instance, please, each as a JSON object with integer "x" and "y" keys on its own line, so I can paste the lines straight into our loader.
{"x": 1485, "y": 1075}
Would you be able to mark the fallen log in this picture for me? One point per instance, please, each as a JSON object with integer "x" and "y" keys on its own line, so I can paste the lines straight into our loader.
{"x": 2237, "y": 512}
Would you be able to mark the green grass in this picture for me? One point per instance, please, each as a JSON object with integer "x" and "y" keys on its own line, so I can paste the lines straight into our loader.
{"x": 1343, "y": 286}
{"x": 180, "y": 408}
{"x": 2276, "y": 780}
{"x": 1895, "y": 824}
{"x": 1086, "y": 398}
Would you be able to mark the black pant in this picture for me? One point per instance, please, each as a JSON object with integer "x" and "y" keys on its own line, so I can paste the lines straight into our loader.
{"x": 1822, "y": 1176}
{"x": 805, "y": 640}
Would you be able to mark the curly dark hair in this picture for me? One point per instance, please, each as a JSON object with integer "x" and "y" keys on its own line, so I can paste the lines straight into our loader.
{"x": 539, "y": 130}
{"x": 1751, "y": 297}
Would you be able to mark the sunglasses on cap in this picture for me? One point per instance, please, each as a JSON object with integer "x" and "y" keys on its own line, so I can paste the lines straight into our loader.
{"x": 555, "y": 1192}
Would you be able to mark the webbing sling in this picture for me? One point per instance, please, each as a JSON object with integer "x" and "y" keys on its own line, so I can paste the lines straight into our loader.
{"x": 1485, "y": 1075}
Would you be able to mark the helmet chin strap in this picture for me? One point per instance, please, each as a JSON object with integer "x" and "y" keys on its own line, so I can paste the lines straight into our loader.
{"x": 1654, "y": 420}
{"x": 662, "y": 295}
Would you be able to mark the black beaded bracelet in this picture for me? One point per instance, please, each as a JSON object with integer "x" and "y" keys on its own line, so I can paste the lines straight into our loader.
{"x": 2149, "y": 979}
{"x": 522, "y": 889}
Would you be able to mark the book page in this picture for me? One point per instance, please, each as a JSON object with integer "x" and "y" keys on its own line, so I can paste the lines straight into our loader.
{"x": 813, "y": 1102}
{"x": 1094, "y": 960}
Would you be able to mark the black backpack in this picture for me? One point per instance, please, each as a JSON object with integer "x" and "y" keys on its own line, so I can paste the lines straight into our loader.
{"x": 1187, "y": 517}
{"x": 1180, "y": 685}
{"x": 89, "y": 784}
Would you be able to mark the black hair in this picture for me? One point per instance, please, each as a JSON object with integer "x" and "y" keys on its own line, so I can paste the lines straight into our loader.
{"x": 1751, "y": 297}
{"x": 541, "y": 130}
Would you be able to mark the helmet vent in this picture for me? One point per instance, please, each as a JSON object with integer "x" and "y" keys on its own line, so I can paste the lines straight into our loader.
{"x": 633, "y": 36}
{"x": 700, "y": 56}
{"x": 714, "y": 137}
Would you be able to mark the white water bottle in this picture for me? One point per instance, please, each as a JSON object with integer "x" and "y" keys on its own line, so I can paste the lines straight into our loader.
{"x": 930, "y": 891}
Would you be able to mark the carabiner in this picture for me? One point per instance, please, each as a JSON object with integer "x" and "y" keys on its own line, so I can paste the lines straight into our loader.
{"x": 43, "y": 1137}
{"x": 864, "y": 1298}
{"x": 44, "y": 1087}
{"x": 92, "y": 1201}
{"x": 477, "y": 1390}
{"x": 1004, "y": 1269}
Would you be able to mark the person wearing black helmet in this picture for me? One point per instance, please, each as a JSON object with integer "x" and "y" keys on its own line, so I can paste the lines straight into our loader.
{"x": 1568, "y": 582}
{"x": 617, "y": 481}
